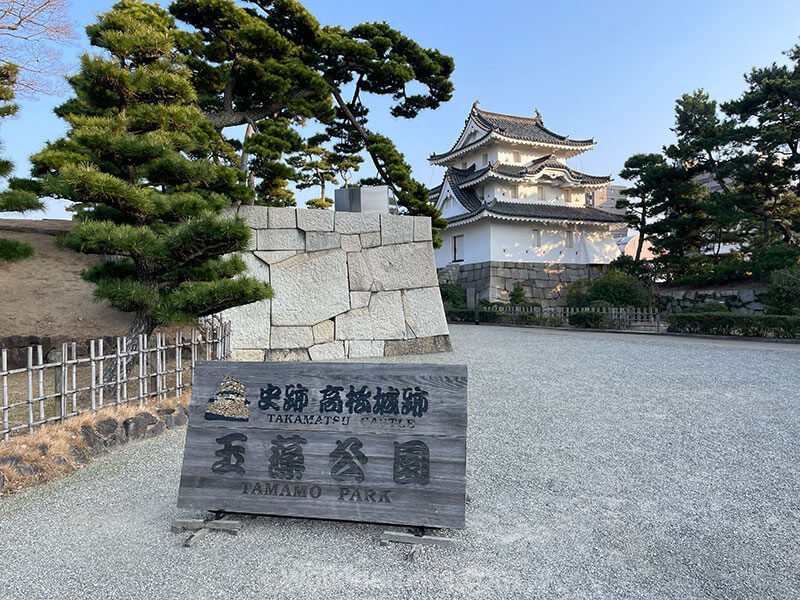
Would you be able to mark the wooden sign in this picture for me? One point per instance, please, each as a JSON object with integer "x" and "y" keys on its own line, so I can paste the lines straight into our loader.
{"x": 378, "y": 443}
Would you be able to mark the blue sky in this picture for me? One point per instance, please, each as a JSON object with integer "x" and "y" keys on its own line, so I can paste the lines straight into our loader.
{"x": 607, "y": 69}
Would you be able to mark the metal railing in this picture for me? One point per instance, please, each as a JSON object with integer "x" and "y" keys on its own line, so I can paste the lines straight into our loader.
{"x": 74, "y": 381}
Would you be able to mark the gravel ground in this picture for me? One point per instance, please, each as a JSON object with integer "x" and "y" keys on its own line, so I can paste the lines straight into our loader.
{"x": 599, "y": 466}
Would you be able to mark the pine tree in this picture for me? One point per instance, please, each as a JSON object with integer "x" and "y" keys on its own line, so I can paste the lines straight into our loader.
{"x": 272, "y": 61}
{"x": 16, "y": 198}
{"x": 315, "y": 167}
{"x": 149, "y": 177}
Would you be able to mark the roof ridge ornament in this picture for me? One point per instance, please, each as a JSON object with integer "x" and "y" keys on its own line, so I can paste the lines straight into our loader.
{"x": 538, "y": 116}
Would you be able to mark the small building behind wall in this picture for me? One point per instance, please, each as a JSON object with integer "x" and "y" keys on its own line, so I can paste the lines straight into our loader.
{"x": 517, "y": 212}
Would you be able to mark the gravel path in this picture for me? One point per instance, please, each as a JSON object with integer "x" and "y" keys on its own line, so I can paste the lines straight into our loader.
{"x": 600, "y": 466}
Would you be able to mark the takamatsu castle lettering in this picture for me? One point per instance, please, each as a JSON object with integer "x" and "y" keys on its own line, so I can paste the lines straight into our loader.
{"x": 376, "y": 443}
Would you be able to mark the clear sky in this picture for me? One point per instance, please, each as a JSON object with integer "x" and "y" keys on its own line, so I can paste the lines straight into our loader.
{"x": 608, "y": 69}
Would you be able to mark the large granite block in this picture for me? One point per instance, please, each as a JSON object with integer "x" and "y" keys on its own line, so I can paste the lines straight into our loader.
{"x": 256, "y": 267}
{"x": 277, "y": 256}
{"x": 360, "y": 299}
{"x": 354, "y": 325}
{"x": 281, "y": 239}
{"x": 248, "y": 355}
{"x": 310, "y": 288}
{"x": 401, "y": 266}
{"x": 351, "y": 243}
{"x": 428, "y": 345}
{"x": 315, "y": 220}
{"x": 251, "y": 324}
{"x": 422, "y": 229}
{"x": 256, "y": 217}
{"x": 284, "y": 338}
{"x": 359, "y": 272}
{"x": 323, "y": 332}
{"x": 424, "y": 312}
{"x": 371, "y": 239}
{"x": 349, "y": 223}
{"x": 386, "y": 313}
{"x": 396, "y": 229}
{"x": 364, "y": 349}
{"x": 329, "y": 351}
{"x": 282, "y": 218}
{"x": 322, "y": 240}
{"x": 295, "y": 355}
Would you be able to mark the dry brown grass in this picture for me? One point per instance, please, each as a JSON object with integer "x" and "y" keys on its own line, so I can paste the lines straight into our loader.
{"x": 50, "y": 448}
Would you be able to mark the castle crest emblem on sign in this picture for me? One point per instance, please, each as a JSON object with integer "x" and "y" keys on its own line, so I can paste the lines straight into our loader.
{"x": 230, "y": 402}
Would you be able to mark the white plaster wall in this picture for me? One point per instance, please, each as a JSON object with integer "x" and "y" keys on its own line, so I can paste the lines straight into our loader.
{"x": 529, "y": 193}
{"x": 513, "y": 242}
{"x": 477, "y": 244}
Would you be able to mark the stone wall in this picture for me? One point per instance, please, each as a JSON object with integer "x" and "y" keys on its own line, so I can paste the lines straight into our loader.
{"x": 546, "y": 283}
{"x": 745, "y": 301}
{"x": 347, "y": 285}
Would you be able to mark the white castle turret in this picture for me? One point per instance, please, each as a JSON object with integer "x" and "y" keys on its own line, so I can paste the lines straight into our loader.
{"x": 509, "y": 196}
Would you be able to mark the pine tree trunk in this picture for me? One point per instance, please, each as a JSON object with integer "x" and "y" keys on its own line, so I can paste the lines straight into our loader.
{"x": 642, "y": 225}
{"x": 143, "y": 324}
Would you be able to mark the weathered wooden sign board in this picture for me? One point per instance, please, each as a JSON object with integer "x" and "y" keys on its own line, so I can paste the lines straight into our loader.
{"x": 378, "y": 443}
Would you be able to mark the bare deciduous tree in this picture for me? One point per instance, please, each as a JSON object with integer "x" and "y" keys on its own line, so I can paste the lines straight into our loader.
{"x": 30, "y": 32}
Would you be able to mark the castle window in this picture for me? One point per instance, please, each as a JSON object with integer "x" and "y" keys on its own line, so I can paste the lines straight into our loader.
{"x": 464, "y": 165}
{"x": 515, "y": 191}
{"x": 568, "y": 197}
{"x": 542, "y": 194}
{"x": 458, "y": 248}
{"x": 485, "y": 159}
{"x": 517, "y": 157}
{"x": 570, "y": 238}
{"x": 536, "y": 238}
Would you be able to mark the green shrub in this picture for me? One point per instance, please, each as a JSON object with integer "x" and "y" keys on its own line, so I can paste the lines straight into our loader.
{"x": 577, "y": 294}
{"x": 467, "y": 315}
{"x": 599, "y": 304}
{"x": 702, "y": 270}
{"x": 12, "y": 250}
{"x": 517, "y": 295}
{"x": 532, "y": 319}
{"x": 775, "y": 257}
{"x": 644, "y": 270}
{"x": 783, "y": 292}
{"x": 709, "y": 307}
{"x": 618, "y": 289}
{"x": 735, "y": 324}
{"x": 586, "y": 318}
{"x": 453, "y": 296}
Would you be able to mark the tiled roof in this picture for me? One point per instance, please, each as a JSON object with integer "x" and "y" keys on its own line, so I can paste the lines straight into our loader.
{"x": 529, "y": 129}
{"x": 519, "y": 171}
{"x": 523, "y": 128}
{"x": 548, "y": 162}
{"x": 466, "y": 197}
{"x": 540, "y": 211}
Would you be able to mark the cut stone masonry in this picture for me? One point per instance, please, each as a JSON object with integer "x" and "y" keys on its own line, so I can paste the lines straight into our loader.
{"x": 347, "y": 285}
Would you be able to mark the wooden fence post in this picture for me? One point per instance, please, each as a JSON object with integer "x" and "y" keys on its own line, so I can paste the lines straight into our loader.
{"x": 3, "y": 370}
{"x": 30, "y": 389}
{"x": 102, "y": 366}
{"x": 93, "y": 375}
{"x": 40, "y": 362}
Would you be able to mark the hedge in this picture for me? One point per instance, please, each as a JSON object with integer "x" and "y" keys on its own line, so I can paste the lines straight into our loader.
{"x": 453, "y": 296}
{"x": 467, "y": 315}
{"x": 585, "y": 318}
{"x": 735, "y": 324}
{"x": 532, "y": 319}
